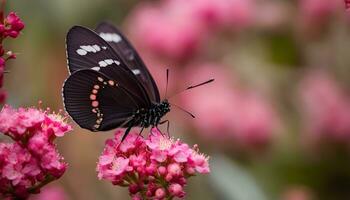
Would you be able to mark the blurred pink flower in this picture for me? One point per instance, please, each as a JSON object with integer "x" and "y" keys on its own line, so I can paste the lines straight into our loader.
{"x": 347, "y": 4}
{"x": 167, "y": 29}
{"x": 225, "y": 112}
{"x": 151, "y": 162}
{"x": 176, "y": 29}
{"x": 325, "y": 108}
{"x": 273, "y": 15}
{"x": 51, "y": 193}
{"x": 235, "y": 14}
{"x": 33, "y": 158}
{"x": 316, "y": 12}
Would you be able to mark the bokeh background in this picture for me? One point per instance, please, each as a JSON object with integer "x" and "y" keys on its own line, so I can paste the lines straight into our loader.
{"x": 276, "y": 122}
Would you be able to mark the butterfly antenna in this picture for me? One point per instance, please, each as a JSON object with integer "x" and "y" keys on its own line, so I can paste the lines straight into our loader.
{"x": 167, "y": 82}
{"x": 183, "y": 110}
{"x": 194, "y": 86}
{"x": 200, "y": 84}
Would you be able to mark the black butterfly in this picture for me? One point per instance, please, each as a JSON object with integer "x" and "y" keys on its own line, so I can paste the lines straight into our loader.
{"x": 109, "y": 85}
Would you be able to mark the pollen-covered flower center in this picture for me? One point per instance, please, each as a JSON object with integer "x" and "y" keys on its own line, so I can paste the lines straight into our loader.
{"x": 164, "y": 144}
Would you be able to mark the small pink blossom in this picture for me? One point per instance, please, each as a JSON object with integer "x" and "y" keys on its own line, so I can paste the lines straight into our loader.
{"x": 176, "y": 190}
{"x": 154, "y": 160}
{"x": 160, "y": 193}
{"x": 12, "y": 26}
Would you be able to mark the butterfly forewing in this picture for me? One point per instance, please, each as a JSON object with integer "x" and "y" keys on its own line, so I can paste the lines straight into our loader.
{"x": 128, "y": 54}
{"x": 86, "y": 50}
{"x": 97, "y": 102}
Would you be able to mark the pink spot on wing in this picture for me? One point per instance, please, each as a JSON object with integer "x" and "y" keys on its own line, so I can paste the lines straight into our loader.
{"x": 94, "y": 103}
{"x": 92, "y": 97}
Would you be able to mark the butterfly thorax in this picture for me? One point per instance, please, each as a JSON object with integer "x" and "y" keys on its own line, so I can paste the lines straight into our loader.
{"x": 151, "y": 116}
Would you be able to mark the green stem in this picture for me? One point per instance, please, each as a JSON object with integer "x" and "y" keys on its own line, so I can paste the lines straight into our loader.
{"x": 34, "y": 189}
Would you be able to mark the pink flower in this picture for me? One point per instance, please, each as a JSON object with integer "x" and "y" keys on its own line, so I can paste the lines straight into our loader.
{"x": 12, "y": 26}
{"x": 176, "y": 190}
{"x": 23, "y": 121}
{"x": 157, "y": 142}
{"x": 33, "y": 157}
{"x": 119, "y": 165}
{"x": 174, "y": 169}
{"x": 160, "y": 193}
{"x": 200, "y": 163}
{"x": 154, "y": 160}
{"x": 325, "y": 107}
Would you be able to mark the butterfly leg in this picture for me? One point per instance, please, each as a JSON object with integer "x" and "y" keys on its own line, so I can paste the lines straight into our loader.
{"x": 167, "y": 126}
{"x": 131, "y": 124}
{"x": 140, "y": 133}
{"x": 158, "y": 130}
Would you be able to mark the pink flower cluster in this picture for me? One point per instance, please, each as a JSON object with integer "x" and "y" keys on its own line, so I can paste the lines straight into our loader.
{"x": 10, "y": 26}
{"x": 233, "y": 115}
{"x": 156, "y": 167}
{"x": 32, "y": 160}
{"x": 176, "y": 29}
{"x": 325, "y": 107}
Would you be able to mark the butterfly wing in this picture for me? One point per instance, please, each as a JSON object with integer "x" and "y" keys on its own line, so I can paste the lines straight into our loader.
{"x": 86, "y": 50}
{"x": 97, "y": 102}
{"x": 125, "y": 50}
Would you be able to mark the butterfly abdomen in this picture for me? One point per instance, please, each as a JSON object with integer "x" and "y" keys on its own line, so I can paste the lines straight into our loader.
{"x": 152, "y": 116}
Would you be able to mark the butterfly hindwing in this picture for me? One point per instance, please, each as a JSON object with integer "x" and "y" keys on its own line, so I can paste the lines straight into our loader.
{"x": 98, "y": 102}
{"x": 127, "y": 52}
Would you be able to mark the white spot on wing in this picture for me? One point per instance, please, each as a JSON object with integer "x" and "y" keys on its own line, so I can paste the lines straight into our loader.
{"x": 81, "y": 52}
{"x": 102, "y": 64}
{"x": 107, "y": 62}
{"x": 88, "y": 48}
{"x": 136, "y": 71}
{"x": 96, "y": 68}
{"x": 84, "y": 49}
{"x": 111, "y": 37}
{"x": 96, "y": 47}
